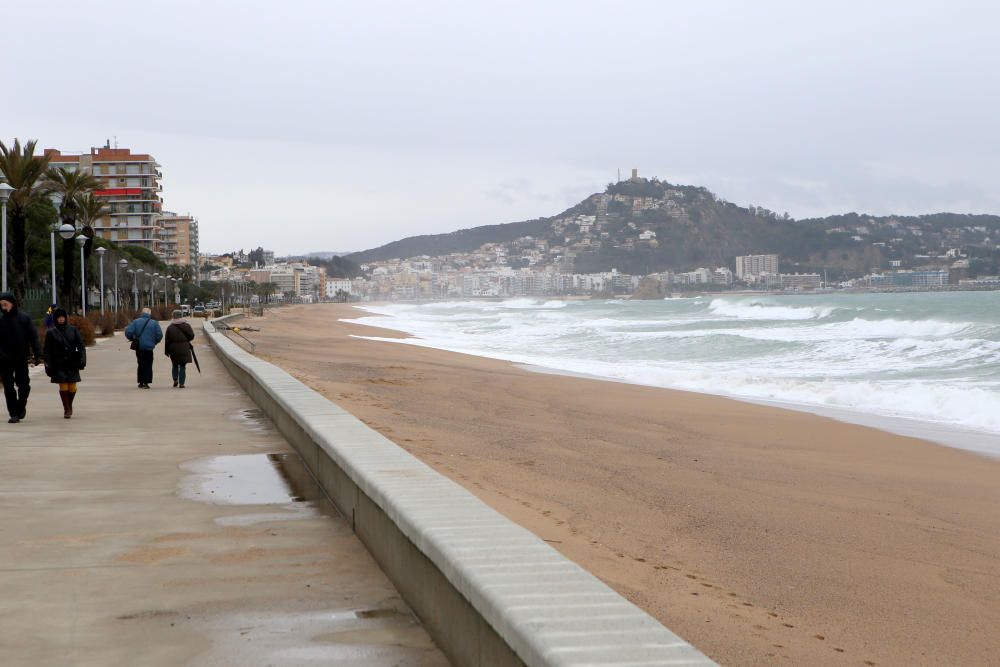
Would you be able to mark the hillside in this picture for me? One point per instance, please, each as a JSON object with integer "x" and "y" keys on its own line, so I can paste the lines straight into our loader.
{"x": 464, "y": 240}
{"x": 642, "y": 226}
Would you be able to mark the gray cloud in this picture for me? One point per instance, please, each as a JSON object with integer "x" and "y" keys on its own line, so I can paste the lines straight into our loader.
{"x": 315, "y": 124}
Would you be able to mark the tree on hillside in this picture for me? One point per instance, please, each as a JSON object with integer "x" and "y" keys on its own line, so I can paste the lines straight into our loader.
{"x": 72, "y": 187}
{"x": 23, "y": 171}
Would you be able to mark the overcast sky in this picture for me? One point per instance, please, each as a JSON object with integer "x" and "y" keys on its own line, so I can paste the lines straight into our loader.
{"x": 321, "y": 125}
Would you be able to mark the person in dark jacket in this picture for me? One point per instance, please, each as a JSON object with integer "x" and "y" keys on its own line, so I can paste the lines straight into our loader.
{"x": 177, "y": 346}
{"x": 18, "y": 344}
{"x": 145, "y": 334}
{"x": 65, "y": 357}
{"x": 50, "y": 320}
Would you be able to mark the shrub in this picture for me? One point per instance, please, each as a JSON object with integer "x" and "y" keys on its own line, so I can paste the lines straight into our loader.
{"x": 104, "y": 323}
{"x": 124, "y": 317}
{"x": 41, "y": 334}
{"x": 86, "y": 329}
{"x": 162, "y": 312}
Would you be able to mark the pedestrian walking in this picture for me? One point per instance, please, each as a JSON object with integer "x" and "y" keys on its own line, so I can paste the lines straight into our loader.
{"x": 65, "y": 357}
{"x": 50, "y": 319}
{"x": 145, "y": 334}
{"x": 18, "y": 345}
{"x": 177, "y": 346}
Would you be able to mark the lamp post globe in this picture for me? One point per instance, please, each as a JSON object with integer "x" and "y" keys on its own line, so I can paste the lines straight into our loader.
{"x": 6, "y": 190}
{"x": 67, "y": 231}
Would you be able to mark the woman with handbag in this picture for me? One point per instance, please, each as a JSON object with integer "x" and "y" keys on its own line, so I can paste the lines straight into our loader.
{"x": 177, "y": 346}
{"x": 65, "y": 356}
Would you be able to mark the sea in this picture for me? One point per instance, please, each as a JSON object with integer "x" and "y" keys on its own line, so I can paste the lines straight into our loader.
{"x": 919, "y": 364}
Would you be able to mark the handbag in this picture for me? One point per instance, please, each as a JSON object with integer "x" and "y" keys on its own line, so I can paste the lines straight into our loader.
{"x": 135, "y": 343}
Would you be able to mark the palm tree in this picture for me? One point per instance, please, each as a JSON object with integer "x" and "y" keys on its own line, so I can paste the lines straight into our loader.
{"x": 90, "y": 209}
{"x": 22, "y": 170}
{"x": 75, "y": 188}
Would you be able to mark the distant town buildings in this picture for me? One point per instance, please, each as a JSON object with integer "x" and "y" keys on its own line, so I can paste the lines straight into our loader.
{"x": 905, "y": 278}
{"x": 800, "y": 281}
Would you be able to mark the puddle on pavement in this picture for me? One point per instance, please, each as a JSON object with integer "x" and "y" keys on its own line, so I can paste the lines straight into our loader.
{"x": 253, "y": 419}
{"x": 255, "y": 479}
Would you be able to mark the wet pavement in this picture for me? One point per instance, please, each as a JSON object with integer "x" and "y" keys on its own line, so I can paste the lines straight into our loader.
{"x": 177, "y": 527}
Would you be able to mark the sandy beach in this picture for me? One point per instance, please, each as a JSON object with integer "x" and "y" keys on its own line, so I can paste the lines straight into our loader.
{"x": 763, "y": 536}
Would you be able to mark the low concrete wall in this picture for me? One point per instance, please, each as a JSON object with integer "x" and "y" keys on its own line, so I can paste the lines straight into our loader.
{"x": 489, "y": 592}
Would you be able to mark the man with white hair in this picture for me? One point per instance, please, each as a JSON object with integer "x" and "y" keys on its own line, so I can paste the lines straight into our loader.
{"x": 145, "y": 334}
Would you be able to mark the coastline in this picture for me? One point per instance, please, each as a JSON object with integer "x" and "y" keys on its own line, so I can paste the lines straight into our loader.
{"x": 979, "y": 441}
{"x": 982, "y": 443}
{"x": 759, "y": 534}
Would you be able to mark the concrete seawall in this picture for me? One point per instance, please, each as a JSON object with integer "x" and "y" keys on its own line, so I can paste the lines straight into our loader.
{"x": 489, "y": 592}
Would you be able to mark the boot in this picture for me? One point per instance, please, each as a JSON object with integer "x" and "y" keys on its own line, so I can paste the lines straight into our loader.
{"x": 64, "y": 397}
{"x": 70, "y": 399}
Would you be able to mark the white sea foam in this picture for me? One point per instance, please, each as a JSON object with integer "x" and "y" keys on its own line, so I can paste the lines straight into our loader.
{"x": 935, "y": 359}
{"x": 762, "y": 310}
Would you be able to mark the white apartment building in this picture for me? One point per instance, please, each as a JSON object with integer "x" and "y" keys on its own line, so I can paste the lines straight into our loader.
{"x": 301, "y": 280}
{"x": 751, "y": 267}
{"x": 287, "y": 281}
{"x": 337, "y": 284}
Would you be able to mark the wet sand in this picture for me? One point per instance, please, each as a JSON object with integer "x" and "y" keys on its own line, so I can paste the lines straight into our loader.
{"x": 763, "y": 536}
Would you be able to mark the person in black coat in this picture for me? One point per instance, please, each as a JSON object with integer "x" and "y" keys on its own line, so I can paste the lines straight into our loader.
{"x": 177, "y": 346}
{"x": 65, "y": 357}
{"x": 18, "y": 344}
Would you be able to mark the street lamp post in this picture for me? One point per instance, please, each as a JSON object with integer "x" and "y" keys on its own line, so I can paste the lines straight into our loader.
{"x": 66, "y": 232}
{"x": 118, "y": 295}
{"x": 100, "y": 255}
{"x": 5, "y": 192}
{"x": 135, "y": 288}
{"x": 152, "y": 288}
{"x": 81, "y": 241}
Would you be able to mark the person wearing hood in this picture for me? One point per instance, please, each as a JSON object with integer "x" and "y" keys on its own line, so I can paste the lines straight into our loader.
{"x": 18, "y": 344}
{"x": 50, "y": 319}
{"x": 65, "y": 357}
{"x": 145, "y": 334}
{"x": 177, "y": 346}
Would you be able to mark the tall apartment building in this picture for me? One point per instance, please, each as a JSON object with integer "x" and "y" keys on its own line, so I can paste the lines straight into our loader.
{"x": 178, "y": 239}
{"x": 749, "y": 267}
{"x": 131, "y": 189}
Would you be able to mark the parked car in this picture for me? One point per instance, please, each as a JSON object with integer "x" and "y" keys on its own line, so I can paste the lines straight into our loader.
{"x": 199, "y": 311}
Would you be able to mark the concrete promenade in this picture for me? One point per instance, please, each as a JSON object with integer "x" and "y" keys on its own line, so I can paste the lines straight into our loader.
{"x": 177, "y": 527}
